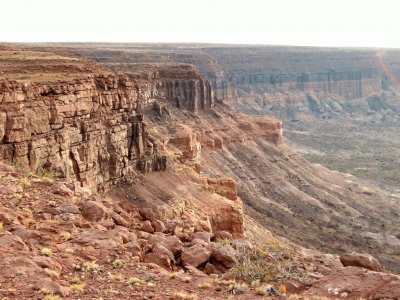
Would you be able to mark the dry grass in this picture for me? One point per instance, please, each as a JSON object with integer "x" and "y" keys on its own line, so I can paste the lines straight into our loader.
{"x": 184, "y": 296}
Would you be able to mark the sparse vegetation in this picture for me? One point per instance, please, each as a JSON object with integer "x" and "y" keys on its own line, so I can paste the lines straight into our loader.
{"x": 46, "y": 251}
{"x": 78, "y": 287}
{"x": 24, "y": 182}
{"x": 260, "y": 291}
{"x": 136, "y": 281}
{"x": 184, "y": 296}
{"x": 204, "y": 285}
{"x": 51, "y": 297}
{"x": 88, "y": 267}
{"x": 237, "y": 287}
{"x": 65, "y": 235}
{"x": 265, "y": 263}
{"x": 187, "y": 279}
{"x": 118, "y": 264}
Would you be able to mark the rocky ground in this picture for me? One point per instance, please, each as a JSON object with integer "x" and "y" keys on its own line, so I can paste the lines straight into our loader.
{"x": 58, "y": 241}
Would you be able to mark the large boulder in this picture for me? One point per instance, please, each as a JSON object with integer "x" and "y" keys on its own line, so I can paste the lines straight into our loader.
{"x": 160, "y": 256}
{"x": 173, "y": 244}
{"x": 366, "y": 261}
{"x": 225, "y": 255}
{"x": 195, "y": 256}
{"x": 147, "y": 227}
{"x": 94, "y": 211}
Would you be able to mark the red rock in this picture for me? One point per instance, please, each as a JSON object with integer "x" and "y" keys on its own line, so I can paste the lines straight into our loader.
{"x": 12, "y": 243}
{"x": 147, "y": 213}
{"x": 210, "y": 269}
{"x": 146, "y": 227}
{"x": 222, "y": 235}
{"x": 218, "y": 143}
{"x": 224, "y": 255}
{"x": 356, "y": 283}
{"x": 47, "y": 262}
{"x": 143, "y": 235}
{"x": 158, "y": 225}
{"x": 119, "y": 220}
{"x": 173, "y": 244}
{"x": 94, "y": 211}
{"x": 202, "y": 235}
{"x": 195, "y": 255}
{"x": 53, "y": 287}
{"x": 160, "y": 256}
{"x": 360, "y": 260}
{"x": 246, "y": 126}
{"x": 225, "y": 187}
{"x": 133, "y": 247}
{"x": 188, "y": 141}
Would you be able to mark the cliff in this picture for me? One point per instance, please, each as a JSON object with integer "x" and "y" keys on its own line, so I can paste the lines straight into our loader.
{"x": 86, "y": 131}
{"x": 89, "y": 130}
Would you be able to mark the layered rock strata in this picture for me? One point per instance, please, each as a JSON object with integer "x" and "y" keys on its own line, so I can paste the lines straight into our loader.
{"x": 86, "y": 131}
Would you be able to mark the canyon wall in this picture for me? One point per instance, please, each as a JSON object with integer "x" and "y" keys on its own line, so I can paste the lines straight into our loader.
{"x": 90, "y": 130}
{"x": 86, "y": 131}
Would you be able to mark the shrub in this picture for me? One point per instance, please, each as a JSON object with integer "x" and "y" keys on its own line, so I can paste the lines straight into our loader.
{"x": 118, "y": 264}
{"x": 136, "y": 281}
{"x": 261, "y": 291}
{"x": 78, "y": 287}
{"x": 52, "y": 297}
{"x": 184, "y": 296}
{"x": 265, "y": 262}
{"x": 88, "y": 266}
{"x": 24, "y": 182}
{"x": 65, "y": 235}
{"x": 46, "y": 251}
{"x": 237, "y": 288}
{"x": 204, "y": 285}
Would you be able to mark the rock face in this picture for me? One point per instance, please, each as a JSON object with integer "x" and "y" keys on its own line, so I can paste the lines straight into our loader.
{"x": 180, "y": 84}
{"x": 86, "y": 131}
{"x": 90, "y": 131}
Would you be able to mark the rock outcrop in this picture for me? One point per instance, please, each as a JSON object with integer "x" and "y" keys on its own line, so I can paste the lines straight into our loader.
{"x": 86, "y": 131}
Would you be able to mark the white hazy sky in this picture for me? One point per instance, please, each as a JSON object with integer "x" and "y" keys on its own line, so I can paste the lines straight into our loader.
{"x": 359, "y": 23}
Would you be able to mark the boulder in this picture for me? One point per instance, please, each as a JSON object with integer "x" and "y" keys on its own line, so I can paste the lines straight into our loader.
{"x": 147, "y": 227}
{"x": 158, "y": 226}
{"x": 366, "y": 261}
{"x": 195, "y": 255}
{"x": 133, "y": 247}
{"x": 225, "y": 255}
{"x": 160, "y": 256}
{"x": 119, "y": 220}
{"x": 173, "y": 244}
{"x": 222, "y": 235}
{"x": 202, "y": 235}
{"x": 94, "y": 211}
{"x": 210, "y": 269}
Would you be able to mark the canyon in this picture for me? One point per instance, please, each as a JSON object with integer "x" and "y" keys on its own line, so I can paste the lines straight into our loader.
{"x": 156, "y": 153}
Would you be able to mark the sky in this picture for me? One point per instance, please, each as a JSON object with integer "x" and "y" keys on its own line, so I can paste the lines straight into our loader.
{"x": 333, "y": 23}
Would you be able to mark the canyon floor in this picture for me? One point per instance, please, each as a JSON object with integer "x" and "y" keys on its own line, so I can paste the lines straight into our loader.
{"x": 142, "y": 177}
